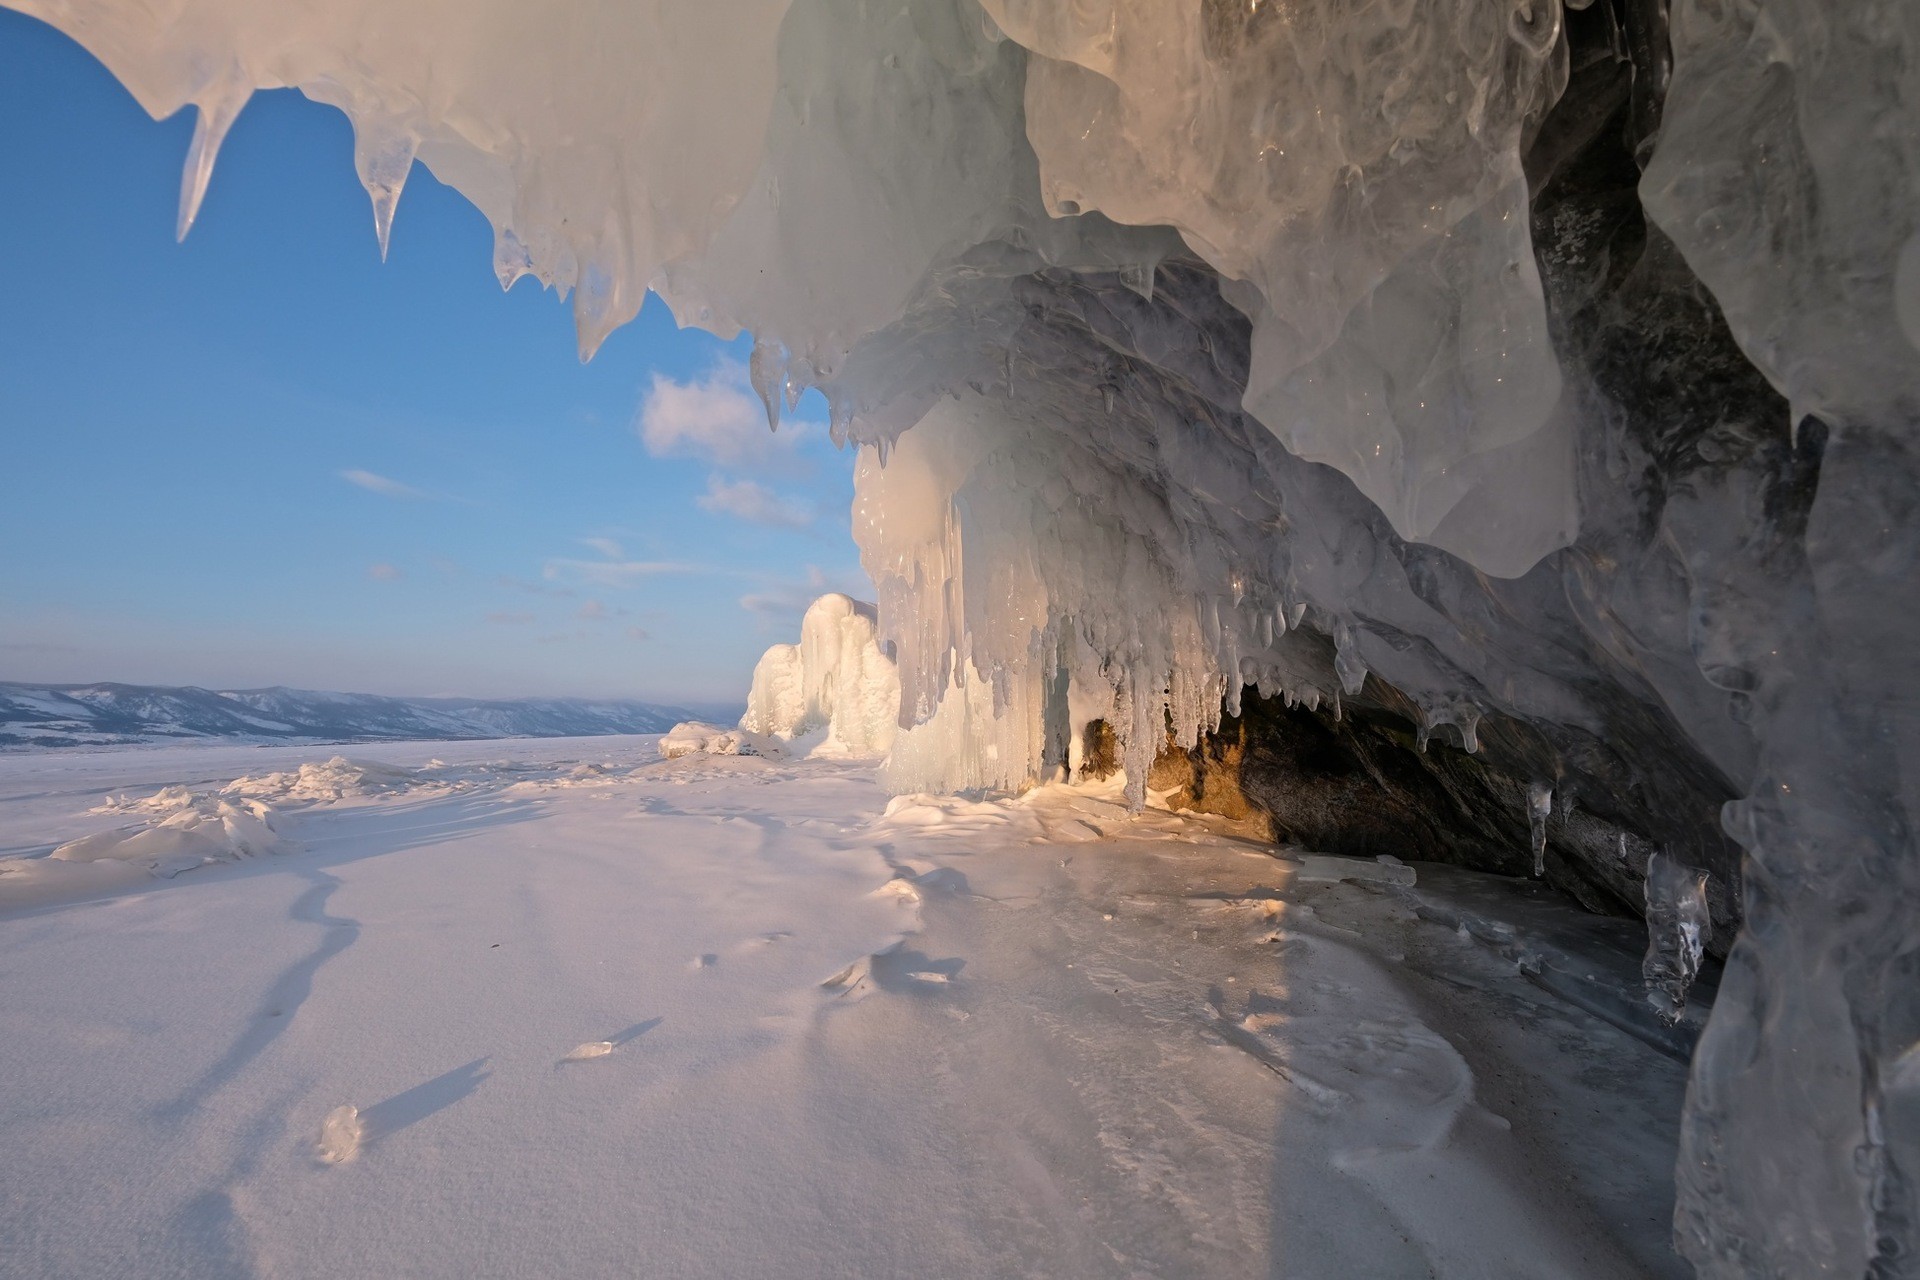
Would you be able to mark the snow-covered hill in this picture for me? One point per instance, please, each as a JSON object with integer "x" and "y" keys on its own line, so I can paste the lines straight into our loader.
{"x": 98, "y": 714}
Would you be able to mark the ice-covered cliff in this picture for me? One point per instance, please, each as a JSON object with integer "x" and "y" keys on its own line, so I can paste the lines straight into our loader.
{"x": 1531, "y": 376}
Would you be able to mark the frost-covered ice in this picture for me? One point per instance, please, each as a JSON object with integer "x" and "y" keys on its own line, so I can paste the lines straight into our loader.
{"x": 933, "y": 1035}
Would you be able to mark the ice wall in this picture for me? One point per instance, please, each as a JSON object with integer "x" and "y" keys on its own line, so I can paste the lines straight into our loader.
{"x": 1359, "y": 167}
{"x": 1788, "y": 172}
{"x": 1336, "y": 349}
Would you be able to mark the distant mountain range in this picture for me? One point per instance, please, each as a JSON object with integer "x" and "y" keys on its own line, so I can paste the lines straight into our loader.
{"x": 66, "y": 715}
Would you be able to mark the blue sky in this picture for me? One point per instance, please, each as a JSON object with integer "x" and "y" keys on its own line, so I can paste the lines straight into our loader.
{"x": 264, "y": 457}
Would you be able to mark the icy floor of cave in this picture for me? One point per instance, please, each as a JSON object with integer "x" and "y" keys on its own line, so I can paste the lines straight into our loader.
{"x": 603, "y": 1014}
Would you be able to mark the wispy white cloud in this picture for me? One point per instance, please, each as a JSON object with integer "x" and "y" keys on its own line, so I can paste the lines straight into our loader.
{"x": 718, "y": 417}
{"x": 639, "y": 633}
{"x": 384, "y": 572}
{"x": 597, "y": 611}
{"x": 510, "y": 618}
{"x": 615, "y": 574}
{"x": 752, "y": 501}
{"x": 383, "y": 486}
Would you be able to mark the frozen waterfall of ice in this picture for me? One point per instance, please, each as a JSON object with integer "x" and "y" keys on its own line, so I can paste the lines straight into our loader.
{"x": 1191, "y": 346}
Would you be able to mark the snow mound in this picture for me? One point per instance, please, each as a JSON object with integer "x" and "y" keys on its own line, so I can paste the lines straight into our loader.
{"x": 197, "y": 831}
{"x": 837, "y": 679}
{"x": 696, "y": 737}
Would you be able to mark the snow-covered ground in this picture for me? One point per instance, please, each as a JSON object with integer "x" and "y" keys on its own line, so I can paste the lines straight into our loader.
{"x": 597, "y": 1014}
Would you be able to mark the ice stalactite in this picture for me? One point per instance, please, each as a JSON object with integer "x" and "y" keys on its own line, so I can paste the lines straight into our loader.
{"x": 382, "y": 157}
{"x": 1678, "y": 928}
{"x": 218, "y": 107}
{"x": 1539, "y": 809}
{"x": 1508, "y": 365}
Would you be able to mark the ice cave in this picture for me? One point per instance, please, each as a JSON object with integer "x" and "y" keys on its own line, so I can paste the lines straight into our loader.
{"x": 1486, "y": 427}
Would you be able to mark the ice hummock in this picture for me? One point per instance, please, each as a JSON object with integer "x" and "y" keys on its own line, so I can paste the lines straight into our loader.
{"x": 697, "y": 737}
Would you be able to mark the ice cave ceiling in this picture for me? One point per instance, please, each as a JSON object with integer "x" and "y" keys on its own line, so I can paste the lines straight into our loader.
{"x": 1533, "y": 377}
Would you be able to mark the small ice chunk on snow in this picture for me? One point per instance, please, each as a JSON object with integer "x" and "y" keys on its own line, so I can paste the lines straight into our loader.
{"x": 340, "y": 1135}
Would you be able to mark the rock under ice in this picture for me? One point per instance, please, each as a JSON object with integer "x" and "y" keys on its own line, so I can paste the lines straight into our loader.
{"x": 1534, "y": 375}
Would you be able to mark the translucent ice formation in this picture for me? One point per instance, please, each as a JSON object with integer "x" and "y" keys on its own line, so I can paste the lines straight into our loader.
{"x": 1361, "y": 169}
{"x": 1337, "y": 350}
{"x": 837, "y": 681}
{"x": 1539, "y": 809}
{"x": 1678, "y": 927}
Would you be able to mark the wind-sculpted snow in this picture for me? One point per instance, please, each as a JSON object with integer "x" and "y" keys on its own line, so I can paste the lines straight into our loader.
{"x": 1192, "y": 347}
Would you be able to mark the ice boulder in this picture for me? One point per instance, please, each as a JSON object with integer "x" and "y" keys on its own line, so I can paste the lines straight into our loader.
{"x": 837, "y": 680}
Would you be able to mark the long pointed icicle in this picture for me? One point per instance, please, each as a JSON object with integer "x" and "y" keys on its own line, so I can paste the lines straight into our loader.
{"x": 1539, "y": 809}
{"x": 218, "y": 108}
{"x": 596, "y": 308}
{"x": 767, "y": 370}
{"x": 383, "y": 158}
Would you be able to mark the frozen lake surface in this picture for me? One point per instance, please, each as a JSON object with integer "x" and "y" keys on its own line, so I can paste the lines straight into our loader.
{"x": 560, "y": 1007}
